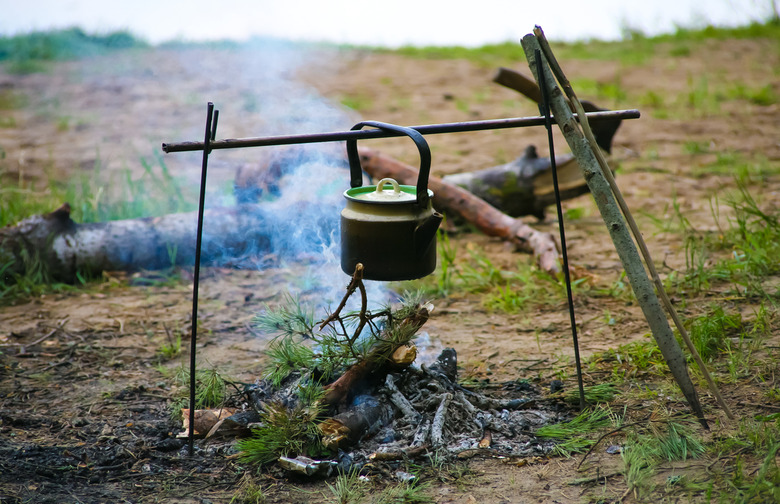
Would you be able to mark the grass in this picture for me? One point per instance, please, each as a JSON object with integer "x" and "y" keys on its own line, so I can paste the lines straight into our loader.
{"x": 99, "y": 195}
{"x": 28, "y": 53}
{"x": 286, "y": 431}
{"x": 348, "y": 488}
{"x": 172, "y": 346}
{"x": 635, "y": 48}
{"x": 740, "y": 254}
{"x": 408, "y": 492}
{"x": 741, "y": 461}
{"x": 576, "y": 435}
{"x": 249, "y": 492}
{"x": 663, "y": 442}
{"x": 210, "y": 389}
{"x": 508, "y": 290}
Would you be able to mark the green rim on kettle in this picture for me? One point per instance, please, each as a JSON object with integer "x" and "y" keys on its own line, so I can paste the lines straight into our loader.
{"x": 355, "y": 194}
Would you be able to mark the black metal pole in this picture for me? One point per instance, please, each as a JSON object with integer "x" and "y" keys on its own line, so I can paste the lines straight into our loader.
{"x": 544, "y": 105}
{"x": 429, "y": 129}
{"x": 211, "y": 131}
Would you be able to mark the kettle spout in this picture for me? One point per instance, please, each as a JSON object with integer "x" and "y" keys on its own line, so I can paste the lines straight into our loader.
{"x": 425, "y": 232}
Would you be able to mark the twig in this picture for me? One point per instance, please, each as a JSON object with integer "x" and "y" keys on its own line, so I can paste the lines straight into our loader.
{"x": 43, "y": 338}
{"x": 595, "y": 479}
{"x": 765, "y": 406}
{"x": 614, "y": 431}
{"x": 422, "y": 432}
{"x": 437, "y": 426}
{"x": 401, "y": 402}
{"x": 408, "y": 453}
{"x": 363, "y": 306}
{"x": 357, "y": 280}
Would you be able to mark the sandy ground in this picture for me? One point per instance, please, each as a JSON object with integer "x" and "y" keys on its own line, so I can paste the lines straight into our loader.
{"x": 116, "y": 111}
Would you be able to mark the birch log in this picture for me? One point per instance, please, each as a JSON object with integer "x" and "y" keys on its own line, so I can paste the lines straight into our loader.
{"x": 65, "y": 248}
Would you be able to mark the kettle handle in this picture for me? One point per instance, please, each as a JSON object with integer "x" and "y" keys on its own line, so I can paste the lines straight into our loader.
{"x": 356, "y": 176}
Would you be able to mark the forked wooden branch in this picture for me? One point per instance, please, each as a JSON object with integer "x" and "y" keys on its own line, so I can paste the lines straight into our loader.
{"x": 615, "y": 223}
{"x": 659, "y": 285}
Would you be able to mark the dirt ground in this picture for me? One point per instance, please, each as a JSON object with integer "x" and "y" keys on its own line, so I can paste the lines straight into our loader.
{"x": 83, "y": 404}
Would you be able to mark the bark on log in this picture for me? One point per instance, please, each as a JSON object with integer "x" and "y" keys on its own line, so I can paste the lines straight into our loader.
{"x": 65, "y": 248}
{"x": 524, "y": 186}
{"x": 457, "y": 201}
{"x": 363, "y": 419}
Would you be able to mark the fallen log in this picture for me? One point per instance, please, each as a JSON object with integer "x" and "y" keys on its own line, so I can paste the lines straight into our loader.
{"x": 66, "y": 249}
{"x": 454, "y": 200}
{"x": 524, "y": 186}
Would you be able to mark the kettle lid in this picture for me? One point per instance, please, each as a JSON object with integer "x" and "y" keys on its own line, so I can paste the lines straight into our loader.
{"x": 397, "y": 194}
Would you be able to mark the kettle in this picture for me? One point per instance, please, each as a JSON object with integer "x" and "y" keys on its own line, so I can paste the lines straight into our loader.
{"x": 390, "y": 228}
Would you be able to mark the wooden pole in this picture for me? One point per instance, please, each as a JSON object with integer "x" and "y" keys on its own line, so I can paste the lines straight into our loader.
{"x": 579, "y": 107}
{"x": 616, "y": 225}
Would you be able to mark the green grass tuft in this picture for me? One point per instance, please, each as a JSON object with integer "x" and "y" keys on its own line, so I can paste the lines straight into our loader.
{"x": 576, "y": 435}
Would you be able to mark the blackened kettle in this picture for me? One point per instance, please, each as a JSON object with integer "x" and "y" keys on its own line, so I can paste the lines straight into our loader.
{"x": 390, "y": 228}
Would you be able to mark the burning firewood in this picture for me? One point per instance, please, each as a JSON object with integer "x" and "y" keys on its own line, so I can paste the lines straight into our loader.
{"x": 331, "y": 390}
{"x": 454, "y": 200}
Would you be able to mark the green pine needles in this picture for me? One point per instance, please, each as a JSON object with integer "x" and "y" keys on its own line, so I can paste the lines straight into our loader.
{"x": 328, "y": 347}
{"x": 306, "y": 354}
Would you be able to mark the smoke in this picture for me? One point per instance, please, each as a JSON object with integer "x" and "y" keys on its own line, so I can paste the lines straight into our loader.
{"x": 299, "y": 188}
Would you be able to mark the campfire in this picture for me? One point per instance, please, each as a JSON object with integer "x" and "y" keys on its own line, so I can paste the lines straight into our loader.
{"x": 345, "y": 393}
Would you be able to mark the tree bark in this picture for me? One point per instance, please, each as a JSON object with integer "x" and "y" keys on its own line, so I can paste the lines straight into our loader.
{"x": 524, "y": 186}
{"x": 618, "y": 231}
{"x": 457, "y": 201}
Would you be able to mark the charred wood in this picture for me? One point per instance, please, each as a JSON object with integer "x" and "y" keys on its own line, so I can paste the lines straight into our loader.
{"x": 365, "y": 418}
{"x": 437, "y": 426}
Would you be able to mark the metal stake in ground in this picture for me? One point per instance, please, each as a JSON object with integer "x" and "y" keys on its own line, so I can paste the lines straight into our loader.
{"x": 211, "y": 132}
{"x": 544, "y": 108}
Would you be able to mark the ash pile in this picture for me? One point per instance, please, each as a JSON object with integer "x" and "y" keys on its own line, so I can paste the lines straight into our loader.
{"x": 344, "y": 394}
{"x": 418, "y": 412}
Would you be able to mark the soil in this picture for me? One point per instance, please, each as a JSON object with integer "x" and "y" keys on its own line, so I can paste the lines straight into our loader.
{"x": 84, "y": 389}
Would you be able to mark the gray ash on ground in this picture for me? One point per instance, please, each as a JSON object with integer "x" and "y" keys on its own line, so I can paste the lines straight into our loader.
{"x": 424, "y": 412}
